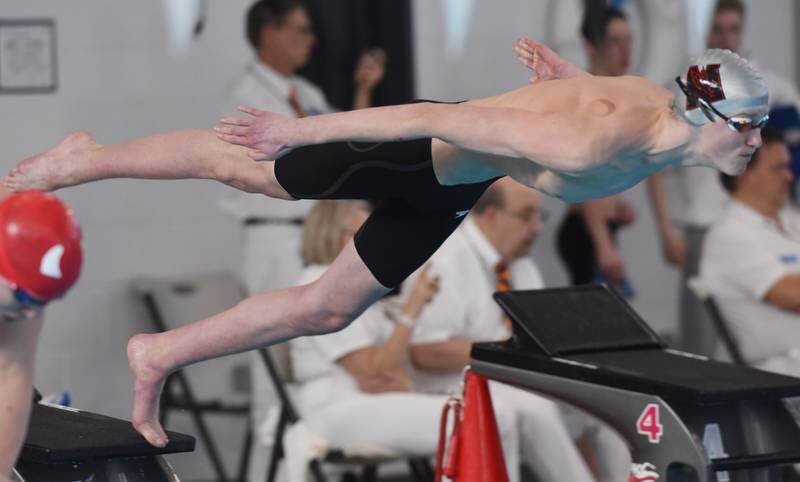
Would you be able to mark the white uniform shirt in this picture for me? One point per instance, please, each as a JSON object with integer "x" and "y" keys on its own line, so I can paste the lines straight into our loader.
{"x": 314, "y": 358}
{"x": 744, "y": 255}
{"x": 696, "y": 197}
{"x": 464, "y": 307}
{"x": 261, "y": 86}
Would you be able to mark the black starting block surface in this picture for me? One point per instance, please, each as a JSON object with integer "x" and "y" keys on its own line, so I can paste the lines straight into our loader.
{"x": 590, "y": 334}
{"x": 57, "y": 435}
{"x": 665, "y": 374}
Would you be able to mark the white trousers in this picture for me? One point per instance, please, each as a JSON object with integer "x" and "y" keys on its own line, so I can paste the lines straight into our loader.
{"x": 271, "y": 257}
{"x": 547, "y": 434}
{"x": 401, "y": 423}
{"x": 270, "y": 260}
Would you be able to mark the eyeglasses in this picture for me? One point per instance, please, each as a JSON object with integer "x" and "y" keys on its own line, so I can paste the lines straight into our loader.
{"x": 529, "y": 216}
{"x": 735, "y": 123}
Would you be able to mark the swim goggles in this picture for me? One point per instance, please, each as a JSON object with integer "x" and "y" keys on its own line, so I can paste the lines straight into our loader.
{"x": 736, "y": 123}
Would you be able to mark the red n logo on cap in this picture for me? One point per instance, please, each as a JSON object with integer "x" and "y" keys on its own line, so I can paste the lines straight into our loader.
{"x": 706, "y": 83}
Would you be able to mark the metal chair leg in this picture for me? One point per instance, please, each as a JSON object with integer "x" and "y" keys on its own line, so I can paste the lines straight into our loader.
{"x": 202, "y": 428}
{"x": 369, "y": 473}
{"x": 277, "y": 448}
{"x": 316, "y": 471}
{"x": 244, "y": 460}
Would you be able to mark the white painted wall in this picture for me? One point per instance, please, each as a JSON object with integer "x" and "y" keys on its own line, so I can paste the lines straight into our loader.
{"x": 488, "y": 66}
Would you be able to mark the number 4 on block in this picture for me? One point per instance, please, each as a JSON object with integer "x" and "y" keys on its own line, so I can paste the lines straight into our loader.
{"x": 649, "y": 423}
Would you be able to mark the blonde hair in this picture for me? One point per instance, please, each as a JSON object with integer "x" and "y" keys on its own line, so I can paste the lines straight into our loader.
{"x": 324, "y": 228}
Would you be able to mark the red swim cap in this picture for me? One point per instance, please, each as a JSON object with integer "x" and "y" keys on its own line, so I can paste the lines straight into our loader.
{"x": 40, "y": 244}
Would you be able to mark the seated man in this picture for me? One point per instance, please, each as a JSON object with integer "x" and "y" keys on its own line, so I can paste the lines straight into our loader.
{"x": 577, "y": 138}
{"x": 491, "y": 252}
{"x": 39, "y": 261}
{"x": 353, "y": 386}
{"x": 751, "y": 260}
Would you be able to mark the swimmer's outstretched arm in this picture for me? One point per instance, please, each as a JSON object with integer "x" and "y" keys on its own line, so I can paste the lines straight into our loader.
{"x": 562, "y": 140}
{"x": 17, "y": 350}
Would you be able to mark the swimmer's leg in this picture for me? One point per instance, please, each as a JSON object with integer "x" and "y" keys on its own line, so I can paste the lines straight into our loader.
{"x": 184, "y": 154}
{"x": 326, "y": 305}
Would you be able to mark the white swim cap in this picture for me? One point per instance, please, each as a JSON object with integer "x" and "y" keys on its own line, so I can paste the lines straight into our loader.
{"x": 725, "y": 80}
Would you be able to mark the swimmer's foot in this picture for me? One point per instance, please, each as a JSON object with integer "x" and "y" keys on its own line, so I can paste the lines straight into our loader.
{"x": 148, "y": 381}
{"x": 52, "y": 169}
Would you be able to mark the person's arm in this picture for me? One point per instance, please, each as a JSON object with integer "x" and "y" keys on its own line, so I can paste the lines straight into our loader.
{"x": 785, "y": 293}
{"x": 555, "y": 140}
{"x": 369, "y": 72}
{"x": 736, "y": 258}
{"x": 673, "y": 244}
{"x": 545, "y": 63}
{"x": 370, "y": 379}
{"x": 18, "y": 341}
{"x": 383, "y": 367}
{"x": 595, "y": 216}
{"x": 443, "y": 357}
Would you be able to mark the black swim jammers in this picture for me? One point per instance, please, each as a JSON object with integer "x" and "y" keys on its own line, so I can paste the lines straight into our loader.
{"x": 416, "y": 214}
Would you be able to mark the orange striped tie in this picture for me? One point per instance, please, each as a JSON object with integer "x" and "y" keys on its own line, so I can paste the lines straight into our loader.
{"x": 503, "y": 284}
{"x": 294, "y": 102}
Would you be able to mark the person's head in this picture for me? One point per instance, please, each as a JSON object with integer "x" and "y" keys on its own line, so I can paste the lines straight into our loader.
{"x": 724, "y": 95}
{"x": 607, "y": 39}
{"x": 40, "y": 252}
{"x": 509, "y": 215}
{"x": 330, "y": 225}
{"x": 726, "y": 25}
{"x": 280, "y": 32}
{"x": 766, "y": 181}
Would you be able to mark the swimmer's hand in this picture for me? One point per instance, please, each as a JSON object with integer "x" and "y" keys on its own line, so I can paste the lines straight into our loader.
{"x": 545, "y": 64}
{"x": 265, "y": 133}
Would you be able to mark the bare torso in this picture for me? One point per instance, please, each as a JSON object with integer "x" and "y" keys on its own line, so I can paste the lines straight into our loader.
{"x": 607, "y": 135}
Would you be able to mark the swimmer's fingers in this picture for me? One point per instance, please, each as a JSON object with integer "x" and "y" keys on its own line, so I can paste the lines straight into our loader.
{"x": 523, "y": 48}
{"x": 524, "y": 54}
{"x": 528, "y": 54}
{"x": 240, "y": 136}
{"x": 540, "y": 53}
{"x": 543, "y": 50}
{"x": 233, "y": 131}
{"x": 236, "y": 121}
{"x": 232, "y": 139}
{"x": 252, "y": 111}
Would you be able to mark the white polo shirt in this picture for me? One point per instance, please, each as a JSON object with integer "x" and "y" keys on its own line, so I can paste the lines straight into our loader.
{"x": 261, "y": 86}
{"x": 744, "y": 255}
{"x": 464, "y": 307}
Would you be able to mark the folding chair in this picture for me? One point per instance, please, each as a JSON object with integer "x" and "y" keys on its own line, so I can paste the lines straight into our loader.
{"x": 278, "y": 364}
{"x": 730, "y": 343}
{"x": 172, "y": 302}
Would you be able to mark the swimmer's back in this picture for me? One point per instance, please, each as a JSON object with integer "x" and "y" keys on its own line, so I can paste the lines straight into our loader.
{"x": 594, "y": 95}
